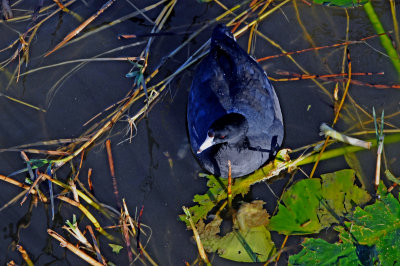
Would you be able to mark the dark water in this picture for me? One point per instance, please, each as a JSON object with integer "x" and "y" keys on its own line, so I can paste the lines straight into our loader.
{"x": 145, "y": 176}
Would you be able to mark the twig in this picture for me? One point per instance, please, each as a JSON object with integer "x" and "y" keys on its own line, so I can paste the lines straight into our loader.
{"x": 88, "y": 215}
{"x": 112, "y": 172}
{"x": 25, "y": 255}
{"x": 18, "y": 184}
{"x": 77, "y": 251}
{"x": 320, "y": 47}
{"x": 81, "y": 27}
{"x": 328, "y": 131}
{"x": 282, "y": 247}
{"x": 336, "y": 115}
{"x": 229, "y": 184}
{"x": 37, "y": 181}
{"x": 138, "y": 230}
{"x": 96, "y": 246}
{"x": 200, "y": 247}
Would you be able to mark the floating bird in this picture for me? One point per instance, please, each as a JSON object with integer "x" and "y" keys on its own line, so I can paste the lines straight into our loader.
{"x": 233, "y": 112}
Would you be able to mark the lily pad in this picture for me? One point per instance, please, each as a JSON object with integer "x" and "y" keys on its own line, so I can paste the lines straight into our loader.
{"x": 377, "y": 225}
{"x": 250, "y": 241}
{"x": 320, "y": 252}
{"x": 371, "y": 237}
{"x": 313, "y": 204}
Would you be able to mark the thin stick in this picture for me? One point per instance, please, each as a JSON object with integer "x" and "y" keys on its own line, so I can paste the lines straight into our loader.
{"x": 320, "y": 47}
{"x": 77, "y": 251}
{"x": 125, "y": 231}
{"x": 395, "y": 23}
{"x": 229, "y": 184}
{"x": 88, "y": 215}
{"x": 17, "y": 183}
{"x": 25, "y": 255}
{"x": 138, "y": 230}
{"x": 96, "y": 246}
{"x": 112, "y": 172}
{"x": 315, "y": 76}
{"x": 260, "y": 18}
{"x": 378, "y": 165}
{"x": 283, "y": 245}
{"x": 37, "y": 181}
{"x": 81, "y": 27}
{"x": 337, "y": 114}
{"x": 89, "y": 179}
{"x": 200, "y": 247}
{"x": 80, "y": 167}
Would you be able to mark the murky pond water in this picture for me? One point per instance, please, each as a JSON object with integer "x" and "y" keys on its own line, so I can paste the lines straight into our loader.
{"x": 157, "y": 169}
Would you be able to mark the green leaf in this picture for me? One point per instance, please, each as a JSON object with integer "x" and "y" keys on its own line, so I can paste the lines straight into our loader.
{"x": 377, "y": 225}
{"x": 385, "y": 40}
{"x": 207, "y": 202}
{"x": 116, "y": 248}
{"x": 372, "y": 237}
{"x": 309, "y": 205}
{"x": 354, "y": 163}
{"x": 218, "y": 187}
{"x": 340, "y": 196}
{"x": 341, "y": 3}
{"x": 298, "y": 215}
{"x": 320, "y": 252}
{"x": 391, "y": 177}
{"x": 254, "y": 245}
{"x": 73, "y": 224}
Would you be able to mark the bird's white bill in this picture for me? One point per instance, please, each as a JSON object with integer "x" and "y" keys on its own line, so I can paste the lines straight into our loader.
{"x": 206, "y": 144}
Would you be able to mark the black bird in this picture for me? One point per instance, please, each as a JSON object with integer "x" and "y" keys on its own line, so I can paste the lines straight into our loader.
{"x": 233, "y": 112}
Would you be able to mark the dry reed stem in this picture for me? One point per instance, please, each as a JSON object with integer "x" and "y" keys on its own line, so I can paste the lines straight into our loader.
{"x": 88, "y": 215}
{"x": 272, "y": 42}
{"x": 38, "y": 24}
{"x": 125, "y": 216}
{"x": 229, "y": 192}
{"x": 200, "y": 247}
{"x": 336, "y": 115}
{"x": 89, "y": 180}
{"x": 320, "y": 47}
{"x": 282, "y": 247}
{"x": 125, "y": 233}
{"x": 25, "y": 255}
{"x": 112, "y": 172}
{"x": 378, "y": 169}
{"x": 261, "y": 18}
{"x": 152, "y": 262}
{"x": 114, "y": 118}
{"x": 118, "y": 114}
{"x": 100, "y": 258}
{"x": 76, "y": 178}
{"x": 17, "y": 183}
{"x": 79, "y": 192}
{"x": 71, "y": 247}
{"x": 39, "y": 179}
{"x": 81, "y": 27}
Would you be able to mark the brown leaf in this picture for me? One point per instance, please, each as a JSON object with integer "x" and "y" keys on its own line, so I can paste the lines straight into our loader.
{"x": 252, "y": 215}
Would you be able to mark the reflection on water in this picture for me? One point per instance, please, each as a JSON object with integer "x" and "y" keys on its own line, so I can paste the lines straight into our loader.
{"x": 157, "y": 170}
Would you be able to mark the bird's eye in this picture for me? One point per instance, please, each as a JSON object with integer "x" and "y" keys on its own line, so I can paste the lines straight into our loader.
{"x": 222, "y": 137}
